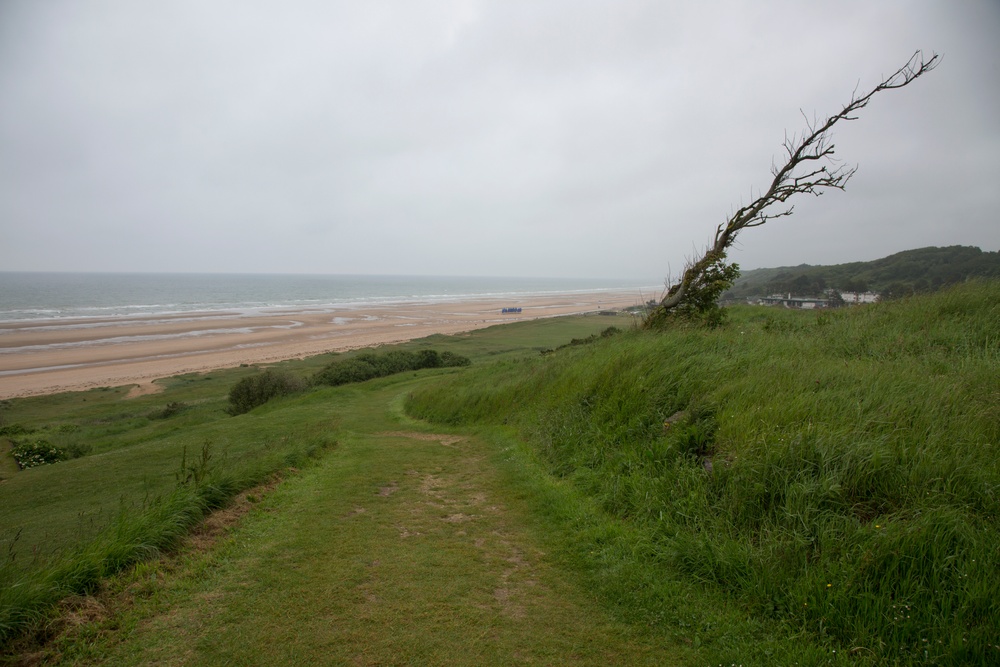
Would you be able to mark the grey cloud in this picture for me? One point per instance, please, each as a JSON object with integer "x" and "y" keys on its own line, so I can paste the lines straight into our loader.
{"x": 555, "y": 138}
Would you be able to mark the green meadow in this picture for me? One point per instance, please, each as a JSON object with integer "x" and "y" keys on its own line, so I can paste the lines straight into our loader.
{"x": 789, "y": 488}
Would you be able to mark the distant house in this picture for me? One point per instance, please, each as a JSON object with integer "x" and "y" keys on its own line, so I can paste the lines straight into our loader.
{"x": 793, "y": 302}
{"x": 858, "y": 297}
{"x": 807, "y": 303}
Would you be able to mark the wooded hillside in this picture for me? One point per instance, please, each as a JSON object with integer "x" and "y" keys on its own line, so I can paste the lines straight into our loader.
{"x": 901, "y": 274}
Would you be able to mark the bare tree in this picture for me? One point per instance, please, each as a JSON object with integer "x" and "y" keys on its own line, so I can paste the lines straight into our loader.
{"x": 809, "y": 168}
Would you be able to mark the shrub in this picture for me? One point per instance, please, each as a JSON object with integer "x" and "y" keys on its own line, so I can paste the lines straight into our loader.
{"x": 451, "y": 360}
{"x": 37, "y": 453}
{"x": 369, "y": 365}
{"x": 256, "y": 390}
{"x": 428, "y": 359}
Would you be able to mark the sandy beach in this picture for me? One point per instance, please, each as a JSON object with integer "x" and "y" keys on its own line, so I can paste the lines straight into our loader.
{"x": 49, "y": 356}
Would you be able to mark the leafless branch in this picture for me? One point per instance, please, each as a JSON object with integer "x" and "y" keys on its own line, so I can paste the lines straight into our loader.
{"x": 815, "y": 144}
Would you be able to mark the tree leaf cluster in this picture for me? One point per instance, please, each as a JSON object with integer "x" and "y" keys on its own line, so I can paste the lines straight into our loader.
{"x": 701, "y": 301}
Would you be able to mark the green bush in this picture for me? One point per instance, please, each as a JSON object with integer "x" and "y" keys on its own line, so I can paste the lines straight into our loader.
{"x": 369, "y": 365}
{"x": 428, "y": 359}
{"x": 451, "y": 360}
{"x": 37, "y": 453}
{"x": 256, "y": 390}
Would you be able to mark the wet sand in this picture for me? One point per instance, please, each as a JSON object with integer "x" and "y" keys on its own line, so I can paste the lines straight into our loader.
{"x": 43, "y": 357}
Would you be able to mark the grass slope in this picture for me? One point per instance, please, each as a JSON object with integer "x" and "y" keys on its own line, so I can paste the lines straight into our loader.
{"x": 836, "y": 472}
{"x": 792, "y": 488}
{"x": 65, "y": 526}
{"x": 134, "y": 455}
{"x": 402, "y": 546}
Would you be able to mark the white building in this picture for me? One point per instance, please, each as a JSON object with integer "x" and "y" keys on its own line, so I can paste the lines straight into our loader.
{"x": 859, "y": 297}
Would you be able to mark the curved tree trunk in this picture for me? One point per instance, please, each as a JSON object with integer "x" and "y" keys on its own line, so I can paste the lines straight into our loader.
{"x": 800, "y": 174}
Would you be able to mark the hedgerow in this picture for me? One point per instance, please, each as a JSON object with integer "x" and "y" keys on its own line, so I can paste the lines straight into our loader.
{"x": 369, "y": 365}
{"x": 256, "y": 390}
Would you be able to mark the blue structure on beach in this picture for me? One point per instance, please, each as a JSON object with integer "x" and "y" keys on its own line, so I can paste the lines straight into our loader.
{"x": 510, "y": 310}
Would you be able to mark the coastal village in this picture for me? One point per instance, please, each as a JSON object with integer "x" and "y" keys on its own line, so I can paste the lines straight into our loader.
{"x": 832, "y": 299}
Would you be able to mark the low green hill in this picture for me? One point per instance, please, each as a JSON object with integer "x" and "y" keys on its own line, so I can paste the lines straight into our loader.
{"x": 908, "y": 272}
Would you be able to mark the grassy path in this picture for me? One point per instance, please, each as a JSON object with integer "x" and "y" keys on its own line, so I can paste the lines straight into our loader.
{"x": 402, "y": 546}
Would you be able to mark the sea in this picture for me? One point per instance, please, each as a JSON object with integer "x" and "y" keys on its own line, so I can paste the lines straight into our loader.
{"x": 28, "y": 296}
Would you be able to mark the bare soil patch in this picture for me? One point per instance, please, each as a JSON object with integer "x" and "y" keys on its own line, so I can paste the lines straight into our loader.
{"x": 445, "y": 439}
{"x": 218, "y": 523}
{"x": 144, "y": 389}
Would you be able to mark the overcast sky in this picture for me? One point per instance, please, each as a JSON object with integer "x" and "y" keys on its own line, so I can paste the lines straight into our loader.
{"x": 497, "y": 137}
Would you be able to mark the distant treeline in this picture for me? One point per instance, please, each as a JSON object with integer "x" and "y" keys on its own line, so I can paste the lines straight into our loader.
{"x": 901, "y": 274}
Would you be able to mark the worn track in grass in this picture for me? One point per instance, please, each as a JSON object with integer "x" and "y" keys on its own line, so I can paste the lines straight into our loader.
{"x": 403, "y": 546}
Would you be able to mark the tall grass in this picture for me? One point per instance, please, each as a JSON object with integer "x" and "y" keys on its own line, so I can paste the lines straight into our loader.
{"x": 29, "y": 591}
{"x": 837, "y": 471}
{"x": 32, "y": 582}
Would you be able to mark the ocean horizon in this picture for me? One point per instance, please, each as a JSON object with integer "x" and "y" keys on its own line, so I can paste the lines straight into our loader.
{"x": 32, "y": 296}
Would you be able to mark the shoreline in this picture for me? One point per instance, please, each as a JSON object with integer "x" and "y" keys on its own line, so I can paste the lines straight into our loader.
{"x": 39, "y": 357}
